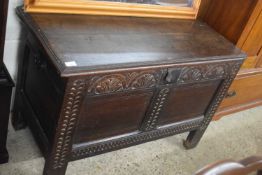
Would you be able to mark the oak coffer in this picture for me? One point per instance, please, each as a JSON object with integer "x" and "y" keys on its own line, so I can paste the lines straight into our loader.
{"x": 93, "y": 84}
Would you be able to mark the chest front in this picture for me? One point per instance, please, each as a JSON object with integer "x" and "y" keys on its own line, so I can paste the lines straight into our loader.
{"x": 89, "y": 86}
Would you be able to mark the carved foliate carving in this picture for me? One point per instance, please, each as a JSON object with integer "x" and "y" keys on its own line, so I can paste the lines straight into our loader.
{"x": 216, "y": 71}
{"x": 128, "y": 81}
{"x": 122, "y": 81}
{"x": 110, "y": 83}
{"x": 67, "y": 123}
{"x": 197, "y": 73}
{"x": 144, "y": 80}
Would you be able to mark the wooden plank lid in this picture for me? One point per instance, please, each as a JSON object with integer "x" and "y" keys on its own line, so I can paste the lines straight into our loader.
{"x": 82, "y": 43}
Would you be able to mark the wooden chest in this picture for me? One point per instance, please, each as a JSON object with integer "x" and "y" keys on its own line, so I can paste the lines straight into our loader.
{"x": 92, "y": 84}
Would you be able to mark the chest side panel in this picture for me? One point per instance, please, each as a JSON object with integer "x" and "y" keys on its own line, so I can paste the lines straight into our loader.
{"x": 43, "y": 88}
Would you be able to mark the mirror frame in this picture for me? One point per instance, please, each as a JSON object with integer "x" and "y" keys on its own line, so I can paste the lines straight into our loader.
{"x": 93, "y": 7}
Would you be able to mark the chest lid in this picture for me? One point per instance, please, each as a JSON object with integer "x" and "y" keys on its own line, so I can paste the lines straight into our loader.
{"x": 81, "y": 43}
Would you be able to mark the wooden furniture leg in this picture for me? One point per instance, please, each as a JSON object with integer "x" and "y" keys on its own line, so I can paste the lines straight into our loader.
{"x": 49, "y": 168}
{"x": 6, "y": 85}
{"x": 17, "y": 119}
{"x": 4, "y": 116}
{"x": 193, "y": 138}
{"x": 195, "y": 135}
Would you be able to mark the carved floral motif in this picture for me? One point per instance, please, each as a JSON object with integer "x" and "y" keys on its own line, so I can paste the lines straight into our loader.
{"x": 133, "y": 80}
{"x": 191, "y": 74}
{"x": 154, "y": 134}
{"x": 111, "y": 83}
{"x": 145, "y": 80}
{"x": 119, "y": 82}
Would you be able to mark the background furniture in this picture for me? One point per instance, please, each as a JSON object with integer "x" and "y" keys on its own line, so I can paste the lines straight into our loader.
{"x": 6, "y": 85}
{"x": 92, "y": 84}
{"x": 3, "y": 17}
{"x": 240, "y": 22}
{"x": 117, "y": 8}
{"x": 230, "y": 167}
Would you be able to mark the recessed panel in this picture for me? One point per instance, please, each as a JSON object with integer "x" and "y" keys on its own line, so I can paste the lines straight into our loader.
{"x": 187, "y": 102}
{"x": 111, "y": 115}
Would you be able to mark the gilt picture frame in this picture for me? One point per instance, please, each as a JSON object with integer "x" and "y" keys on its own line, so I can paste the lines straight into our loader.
{"x": 93, "y": 7}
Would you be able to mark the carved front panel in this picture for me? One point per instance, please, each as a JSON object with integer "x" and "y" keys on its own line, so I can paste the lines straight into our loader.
{"x": 186, "y": 93}
{"x": 112, "y": 115}
{"x": 120, "y": 103}
{"x": 118, "y": 82}
{"x": 115, "y": 103}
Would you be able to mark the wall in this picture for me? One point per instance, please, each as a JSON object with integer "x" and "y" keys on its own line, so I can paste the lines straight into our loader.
{"x": 13, "y": 38}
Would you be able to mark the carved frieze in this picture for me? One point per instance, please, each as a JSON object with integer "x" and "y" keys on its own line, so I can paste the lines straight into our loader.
{"x": 117, "y": 82}
{"x": 122, "y": 81}
{"x": 197, "y": 73}
{"x": 203, "y": 72}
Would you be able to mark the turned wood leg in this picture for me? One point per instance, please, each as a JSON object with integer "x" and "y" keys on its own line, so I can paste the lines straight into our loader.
{"x": 193, "y": 138}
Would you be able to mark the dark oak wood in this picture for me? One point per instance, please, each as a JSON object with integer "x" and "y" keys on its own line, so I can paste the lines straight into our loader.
{"x": 6, "y": 85}
{"x": 131, "y": 80}
{"x": 231, "y": 167}
{"x": 150, "y": 42}
{"x": 194, "y": 100}
{"x": 3, "y": 17}
{"x": 128, "y": 113}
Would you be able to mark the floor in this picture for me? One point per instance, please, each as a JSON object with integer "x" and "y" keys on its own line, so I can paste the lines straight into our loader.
{"x": 236, "y": 137}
